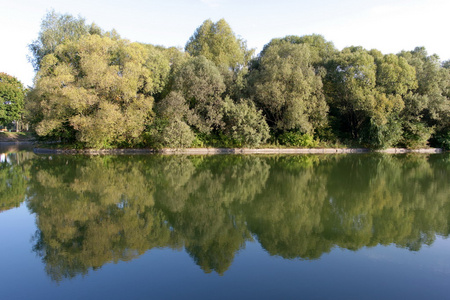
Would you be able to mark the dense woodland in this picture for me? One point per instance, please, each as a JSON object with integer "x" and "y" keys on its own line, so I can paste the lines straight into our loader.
{"x": 95, "y": 89}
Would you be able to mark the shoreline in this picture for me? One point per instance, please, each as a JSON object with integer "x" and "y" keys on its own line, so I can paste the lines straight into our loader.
{"x": 212, "y": 151}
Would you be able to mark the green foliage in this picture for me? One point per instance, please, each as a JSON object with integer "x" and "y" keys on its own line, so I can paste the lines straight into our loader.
{"x": 380, "y": 136}
{"x": 201, "y": 85}
{"x": 416, "y": 134}
{"x": 218, "y": 43}
{"x": 365, "y": 93}
{"x": 244, "y": 123}
{"x": 443, "y": 139}
{"x": 170, "y": 134}
{"x": 177, "y": 134}
{"x": 297, "y": 139}
{"x": 429, "y": 106}
{"x": 394, "y": 74}
{"x": 12, "y": 94}
{"x": 321, "y": 50}
{"x": 56, "y": 29}
{"x": 284, "y": 84}
{"x": 95, "y": 90}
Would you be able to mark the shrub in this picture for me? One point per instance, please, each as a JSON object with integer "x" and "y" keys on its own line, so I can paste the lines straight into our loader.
{"x": 297, "y": 139}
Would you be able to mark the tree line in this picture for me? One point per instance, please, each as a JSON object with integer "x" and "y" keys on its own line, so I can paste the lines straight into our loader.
{"x": 95, "y": 89}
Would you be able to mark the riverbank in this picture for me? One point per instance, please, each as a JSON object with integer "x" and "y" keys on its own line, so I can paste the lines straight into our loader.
{"x": 210, "y": 151}
{"x": 17, "y": 137}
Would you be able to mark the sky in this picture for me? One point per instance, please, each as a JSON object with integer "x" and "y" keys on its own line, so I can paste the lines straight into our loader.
{"x": 389, "y": 26}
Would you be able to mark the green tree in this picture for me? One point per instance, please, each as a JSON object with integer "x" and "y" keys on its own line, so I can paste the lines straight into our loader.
{"x": 284, "y": 84}
{"x": 245, "y": 123}
{"x": 428, "y": 107}
{"x": 321, "y": 50}
{"x": 365, "y": 110}
{"x": 12, "y": 94}
{"x": 96, "y": 90}
{"x": 218, "y": 43}
{"x": 56, "y": 29}
{"x": 201, "y": 84}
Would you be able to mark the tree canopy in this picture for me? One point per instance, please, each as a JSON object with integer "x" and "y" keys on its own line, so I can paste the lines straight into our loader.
{"x": 218, "y": 43}
{"x": 96, "y": 90}
{"x": 284, "y": 84}
{"x": 12, "y": 94}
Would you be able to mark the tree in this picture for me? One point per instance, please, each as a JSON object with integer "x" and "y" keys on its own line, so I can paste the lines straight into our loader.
{"x": 394, "y": 74}
{"x": 218, "y": 43}
{"x": 284, "y": 84}
{"x": 364, "y": 109}
{"x": 201, "y": 85}
{"x": 12, "y": 94}
{"x": 245, "y": 123}
{"x": 171, "y": 128}
{"x": 428, "y": 107}
{"x": 57, "y": 29}
{"x": 96, "y": 91}
{"x": 321, "y": 50}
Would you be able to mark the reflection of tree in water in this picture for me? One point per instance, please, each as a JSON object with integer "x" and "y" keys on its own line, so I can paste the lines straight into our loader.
{"x": 91, "y": 211}
{"x": 212, "y": 233}
{"x": 13, "y": 179}
{"x": 286, "y": 217}
{"x": 105, "y": 209}
{"x": 384, "y": 199}
{"x": 313, "y": 203}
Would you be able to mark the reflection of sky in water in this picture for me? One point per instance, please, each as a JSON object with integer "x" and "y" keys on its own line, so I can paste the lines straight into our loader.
{"x": 433, "y": 259}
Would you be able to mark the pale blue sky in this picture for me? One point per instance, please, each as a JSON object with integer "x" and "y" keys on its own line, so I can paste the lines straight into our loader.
{"x": 389, "y": 26}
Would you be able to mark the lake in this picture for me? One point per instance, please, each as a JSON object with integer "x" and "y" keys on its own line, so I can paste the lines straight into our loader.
{"x": 348, "y": 226}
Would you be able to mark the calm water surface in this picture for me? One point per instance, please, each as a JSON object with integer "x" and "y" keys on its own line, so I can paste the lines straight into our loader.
{"x": 360, "y": 226}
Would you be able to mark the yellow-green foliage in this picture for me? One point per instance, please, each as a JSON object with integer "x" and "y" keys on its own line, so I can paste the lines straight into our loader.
{"x": 98, "y": 88}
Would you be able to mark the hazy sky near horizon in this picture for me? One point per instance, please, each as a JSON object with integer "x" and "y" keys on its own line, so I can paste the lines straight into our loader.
{"x": 389, "y": 26}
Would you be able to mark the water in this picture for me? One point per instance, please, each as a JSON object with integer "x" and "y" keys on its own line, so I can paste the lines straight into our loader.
{"x": 358, "y": 226}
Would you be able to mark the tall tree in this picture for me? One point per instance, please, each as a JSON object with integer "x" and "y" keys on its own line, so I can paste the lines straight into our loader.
{"x": 201, "y": 84}
{"x": 12, "y": 94}
{"x": 96, "y": 90}
{"x": 218, "y": 43}
{"x": 57, "y": 29}
{"x": 428, "y": 107}
{"x": 363, "y": 109}
{"x": 321, "y": 49}
{"x": 284, "y": 84}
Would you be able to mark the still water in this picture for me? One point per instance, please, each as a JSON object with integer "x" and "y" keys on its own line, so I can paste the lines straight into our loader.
{"x": 358, "y": 226}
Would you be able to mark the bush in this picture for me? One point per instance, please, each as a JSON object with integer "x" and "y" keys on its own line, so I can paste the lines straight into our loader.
{"x": 382, "y": 136}
{"x": 244, "y": 123}
{"x": 297, "y": 139}
{"x": 171, "y": 134}
{"x": 416, "y": 135}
